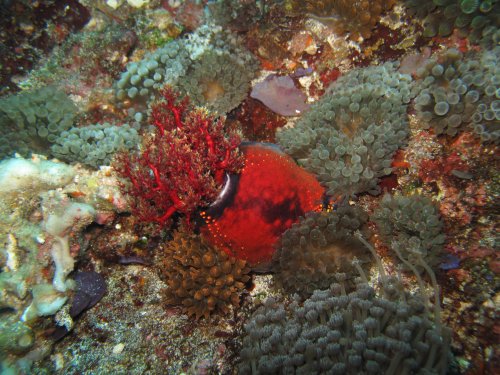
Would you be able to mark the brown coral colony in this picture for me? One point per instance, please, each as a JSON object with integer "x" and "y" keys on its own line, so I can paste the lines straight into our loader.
{"x": 354, "y": 17}
{"x": 201, "y": 278}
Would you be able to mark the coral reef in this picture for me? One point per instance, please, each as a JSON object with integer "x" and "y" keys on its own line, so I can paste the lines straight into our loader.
{"x": 32, "y": 120}
{"x": 200, "y": 278}
{"x": 88, "y": 52}
{"x": 472, "y": 18}
{"x": 320, "y": 245}
{"x": 410, "y": 225}
{"x": 165, "y": 65}
{"x": 209, "y": 65}
{"x": 356, "y": 18}
{"x": 182, "y": 165}
{"x": 462, "y": 173}
{"x": 60, "y": 216}
{"x": 188, "y": 170}
{"x": 238, "y": 15}
{"x": 366, "y": 331}
{"x": 22, "y": 179}
{"x": 95, "y": 145}
{"x": 455, "y": 91}
{"x": 130, "y": 330}
{"x": 30, "y": 31}
{"x": 347, "y": 138}
{"x": 41, "y": 229}
{"x": 256, "y": 122}
{"x": 218, "y": 80}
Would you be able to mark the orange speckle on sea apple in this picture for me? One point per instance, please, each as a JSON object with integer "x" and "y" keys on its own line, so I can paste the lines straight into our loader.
{"x": 272, "y": 193}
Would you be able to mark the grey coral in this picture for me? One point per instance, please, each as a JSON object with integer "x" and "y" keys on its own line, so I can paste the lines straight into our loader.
{"x": 367, "y": 331}
{"x": 410, "y": 226}
{"x": 208, "y": 59}
{"x": 349, "y": 136}
{"x": 32, "y": 120}
{"x": 321, "y": 244}
{"x": 95, "y": 145}
{"x": 456, "y": 91}
{"x": 471, "y": 19}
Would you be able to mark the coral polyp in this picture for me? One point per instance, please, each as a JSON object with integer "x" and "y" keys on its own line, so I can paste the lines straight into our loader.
{"x": 201, "y": 278}
{"x": 320, "y": 245}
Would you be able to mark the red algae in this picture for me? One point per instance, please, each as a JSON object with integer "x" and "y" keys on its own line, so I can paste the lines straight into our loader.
{"x": 255, "y": 121}
{"x": 272, "y": 193}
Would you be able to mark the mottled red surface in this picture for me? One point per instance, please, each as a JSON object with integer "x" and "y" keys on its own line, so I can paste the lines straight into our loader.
{"x": 256, "y": 121}
{"x": 325, "y": 79}
{"x": 273, "y": 192}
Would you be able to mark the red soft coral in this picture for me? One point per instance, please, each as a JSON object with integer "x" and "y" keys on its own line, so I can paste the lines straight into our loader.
{"x": 182, "y": 164}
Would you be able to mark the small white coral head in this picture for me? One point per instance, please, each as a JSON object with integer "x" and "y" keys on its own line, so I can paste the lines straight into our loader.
{"x": 137, "y": 3}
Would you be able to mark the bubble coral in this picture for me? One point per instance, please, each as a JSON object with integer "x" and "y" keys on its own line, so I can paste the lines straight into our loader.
{"x": 94, "y": 145}
{"x": 348, "y": 137}
{"x": 472, "y": 18}
{"x": 455, "y": 91}
{"x": 377, "y": 331}
{"x": 143, "y": 78}
{"x": 201, "y": 278}
{"x": 209, "y": 65}
{"x": 320, "y": 245}
{"x": 182, "y": 164}
{"x": 32, "y": 120}
{"x": 411, "y": 226}
{"x": 218, "y": 80}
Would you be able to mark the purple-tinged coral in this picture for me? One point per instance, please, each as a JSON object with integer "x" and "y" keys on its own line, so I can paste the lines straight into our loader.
{"x": 280, "y": 95}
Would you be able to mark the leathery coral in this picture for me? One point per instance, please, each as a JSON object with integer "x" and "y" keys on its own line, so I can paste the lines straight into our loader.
{"x": 182, "y": 164}
{"x": 200, "y": 277}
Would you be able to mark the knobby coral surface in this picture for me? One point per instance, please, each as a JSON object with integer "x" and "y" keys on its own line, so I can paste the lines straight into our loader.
{"x": 411, "y": 224}
{"x": 200, "y": 277}
{"x": 363, "y": 332}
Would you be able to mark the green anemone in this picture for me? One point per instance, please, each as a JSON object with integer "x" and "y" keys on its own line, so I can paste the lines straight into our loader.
{"x": 469, "y": 6}
{"x": 486, "y": 6}
{"x": 441, "y": 2}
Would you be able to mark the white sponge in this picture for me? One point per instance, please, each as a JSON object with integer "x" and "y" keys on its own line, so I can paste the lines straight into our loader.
{"x": 20, "y": 175}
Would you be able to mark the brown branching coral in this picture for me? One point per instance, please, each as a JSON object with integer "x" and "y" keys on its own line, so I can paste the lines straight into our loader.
{"x": 356, "y": 17}
{"x": 201, "y": 278}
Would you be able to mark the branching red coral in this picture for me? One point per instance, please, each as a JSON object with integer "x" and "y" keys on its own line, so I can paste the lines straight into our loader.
{"x": 182, "y": 164}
